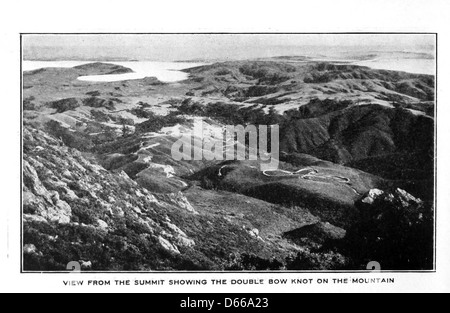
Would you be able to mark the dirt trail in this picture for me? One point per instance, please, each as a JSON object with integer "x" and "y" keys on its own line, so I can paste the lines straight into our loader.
{"x": 314, "y": 175}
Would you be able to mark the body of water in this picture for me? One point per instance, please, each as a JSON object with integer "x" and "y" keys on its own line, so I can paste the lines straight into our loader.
{"x": 416, "y": 66}
{"x": 164, "y": 71}
{"x": 171, "y": 71}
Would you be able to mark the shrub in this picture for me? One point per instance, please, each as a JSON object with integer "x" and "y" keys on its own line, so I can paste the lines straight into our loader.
{"x": 394, "y": 231}
{"x": 28, "y": 104}
{"x": 250, "y": 262}
{"x": 143, "y": 104}
{"x": 156, "y": 122}
{"x": 306, "y": 260}
{"x": 71, "y": 139}
{"x": 253, "y": 70}
{"x": 141, "y": 112}
{"x": 96, "y": 102}
{"x": 64, "y": 105}
{"x": 100, "y": 116}
{"x": 223, "y": 72}
{"x": 258, "y": 91}
{"x": 93, "y": 93}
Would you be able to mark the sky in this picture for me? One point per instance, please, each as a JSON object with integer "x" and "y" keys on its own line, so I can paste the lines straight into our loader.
{"x": 171, "y": 47}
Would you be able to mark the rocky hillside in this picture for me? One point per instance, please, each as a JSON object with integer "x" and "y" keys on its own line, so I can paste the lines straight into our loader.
{"x": 100, "y": 186}
{"x": 76, "y": 210}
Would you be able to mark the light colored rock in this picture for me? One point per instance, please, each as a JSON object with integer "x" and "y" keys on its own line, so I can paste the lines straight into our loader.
{"x": 151, "y": 199}
{"x": 406, "y": 198}
{"x": 79, "y": 167}
{"x": 254, "y": 232}
{"x": 31, "y": 179}
{"x": 70, "y": 195}
{"x": 53, "y": 238}
{"x": 38, "y": 149}
{"x": 36, "y": 164}
{"x": 180, "y": 236}
{"x": 67, "y": 174}
{"x": 372, "y": 195}
{"x": 46, "y": 203}
{"x": 104, "y": 205}
{"x": 185, "y": 242}
{"x": 124, "y": 175}
{"x": 102, "y": 224}
{"x": 54, "y": 195}
{"x": 180, "y": 200}
{"x": 117, "y": 211}
{"x": 34, "y": 218}
{"x": 31, "y": 249}
{"x": 86, "y": 265}
{"x": 64, "y": 212}
{"x": 168, "y": 246}
{"x": 167, "y": 169}
{"x": 175, "y": 229}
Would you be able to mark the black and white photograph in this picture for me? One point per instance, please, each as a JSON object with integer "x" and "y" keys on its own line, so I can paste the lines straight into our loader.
{"x": 225, "y": 156}
{"x": 228, "y": 152}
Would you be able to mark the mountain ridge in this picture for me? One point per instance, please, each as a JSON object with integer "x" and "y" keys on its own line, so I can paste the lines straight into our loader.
{"x": 101, "y": 188}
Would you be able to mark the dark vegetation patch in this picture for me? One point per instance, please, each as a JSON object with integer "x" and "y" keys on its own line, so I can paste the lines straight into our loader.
{"x": 302, "y": 261}
{"x": 141, "y": 112}
{"x": 70, "y": 138}
{"x": 125, "y": 248}
{"x": 230, "y": 114}
{"x": 64, "y": 105}
{"x": 156, "y": 122}
{"x": 96, "y": 102}
{"x": 103, "y": 117}
{"x": 317, "y": 107}
{"x": 271, "y": 100}
{"x": 426, "y": 107}
{"x": 28, "y": 104}
{"x": 95, "y": 93}
{"x": 393, "y": 224}
{"x": 260, "y": 90}
{"x": 268, "y": 73}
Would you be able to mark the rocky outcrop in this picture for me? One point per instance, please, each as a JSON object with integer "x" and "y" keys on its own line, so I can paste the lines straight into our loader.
{"x": 40, "y": 201}
{"x": 76, "y": 210}
{"x": 372, "y": 195}
{"x": 96, "y": 102}
{"x": 399, "y": 197}
{"x": 395, "y": 229}
{"x": 61, "y": 187}
{"x": 179, "y": 200}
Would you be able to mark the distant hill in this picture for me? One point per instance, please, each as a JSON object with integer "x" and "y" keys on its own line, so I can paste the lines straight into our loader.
{"x": 356, "y": 169}
{"x": 100, "y": 68}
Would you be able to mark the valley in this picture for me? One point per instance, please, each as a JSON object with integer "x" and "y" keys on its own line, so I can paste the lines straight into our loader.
{"x": 355, "y": 181}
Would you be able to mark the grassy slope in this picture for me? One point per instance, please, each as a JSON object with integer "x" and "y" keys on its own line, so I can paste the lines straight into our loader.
{"x": 344, "y": 134}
